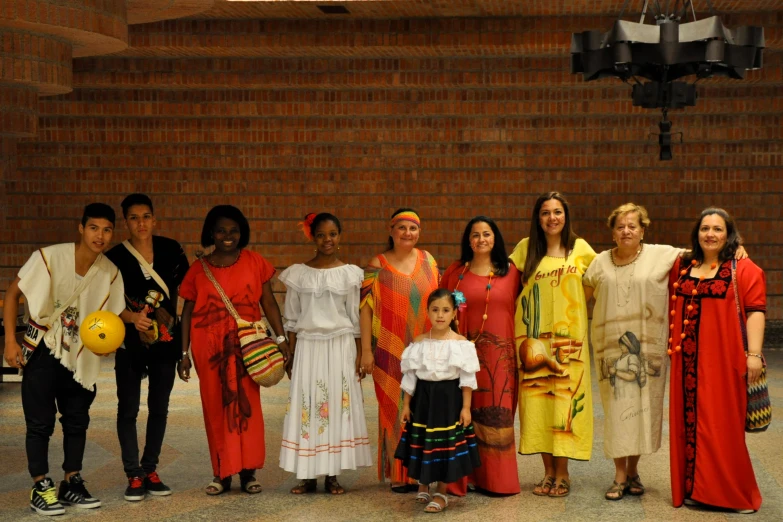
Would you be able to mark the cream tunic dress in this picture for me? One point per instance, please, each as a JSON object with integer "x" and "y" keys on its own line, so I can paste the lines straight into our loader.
{"x": 631, "y": 298}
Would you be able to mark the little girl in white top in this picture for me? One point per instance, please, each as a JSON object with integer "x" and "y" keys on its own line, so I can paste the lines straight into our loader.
{"x": 439, "y": 375}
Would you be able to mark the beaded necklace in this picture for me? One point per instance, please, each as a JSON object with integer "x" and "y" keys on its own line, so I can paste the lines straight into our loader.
{"x": 624, "y": 288}
{"x": 210, "y": 257}
{"x": 486, "y": 300}
{"x": 688, "y": 307}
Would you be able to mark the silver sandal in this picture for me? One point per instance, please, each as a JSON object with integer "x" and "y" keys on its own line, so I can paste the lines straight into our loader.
{"x": 434, "y": 507}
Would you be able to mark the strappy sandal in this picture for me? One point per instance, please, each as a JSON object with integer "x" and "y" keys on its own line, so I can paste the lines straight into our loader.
{"x": 305, "y": 486}
{"x": 543, "y": 488}
{"x": 218, "y": 486}
{"x": 434, "y": 507}
{"x": 423, "y": 497}
{"x": 635, "y": 486}
{"x": 332, "y": 486}
{"x": 249, "y": 484}
{"x": 563, "y": 484}
{"x": 616, "y": 491}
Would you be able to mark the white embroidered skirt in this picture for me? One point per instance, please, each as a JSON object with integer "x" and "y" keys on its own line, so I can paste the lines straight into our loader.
{"x": 324, "y": 431}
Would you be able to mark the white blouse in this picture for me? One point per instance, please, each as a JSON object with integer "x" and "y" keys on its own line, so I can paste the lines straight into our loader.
{"x": 322, "y": 303}
{"x": 439, "y": 360}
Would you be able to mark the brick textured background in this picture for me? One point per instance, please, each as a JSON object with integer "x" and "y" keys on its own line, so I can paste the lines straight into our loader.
{"x": 452, "y": 117}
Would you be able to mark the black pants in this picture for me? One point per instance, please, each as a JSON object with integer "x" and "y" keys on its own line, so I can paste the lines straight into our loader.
{"x": 161, "y": 381}
{"x": 47, "y": 386}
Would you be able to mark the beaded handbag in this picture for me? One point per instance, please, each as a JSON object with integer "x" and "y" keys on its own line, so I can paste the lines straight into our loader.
{"x": 759, "y": 410}
{"x": 262, "y": 358}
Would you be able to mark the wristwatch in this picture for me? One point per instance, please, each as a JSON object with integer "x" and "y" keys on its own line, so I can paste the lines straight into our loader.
{"x": 280, "y": 339}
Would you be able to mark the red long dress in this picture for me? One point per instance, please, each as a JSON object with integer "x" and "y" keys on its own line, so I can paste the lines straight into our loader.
{"x": 494, "y": 403}
{"x": 230, "y": 399}
{"x": 710, "y": 462}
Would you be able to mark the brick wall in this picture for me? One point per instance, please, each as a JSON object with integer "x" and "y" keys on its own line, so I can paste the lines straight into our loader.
{"x": 451, "y": 135}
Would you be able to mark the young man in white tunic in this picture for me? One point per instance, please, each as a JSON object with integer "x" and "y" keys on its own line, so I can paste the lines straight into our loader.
{"x": 62, "y": 284}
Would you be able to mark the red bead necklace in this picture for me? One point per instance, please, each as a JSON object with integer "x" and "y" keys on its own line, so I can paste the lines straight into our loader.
{"x": 486, "y": 300}
{"x": 688, "y": 307}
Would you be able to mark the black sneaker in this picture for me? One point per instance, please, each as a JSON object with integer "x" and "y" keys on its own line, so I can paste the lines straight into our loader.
{"x": 155, "y": 486}
{"x": 73, "y": 493}
{"x": 43, "y": 498}
{"x": 135, "y": 490}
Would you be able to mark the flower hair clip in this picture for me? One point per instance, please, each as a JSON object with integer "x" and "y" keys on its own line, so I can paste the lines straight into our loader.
{"x": 459, "y": 298}
{"x": 305, "y": 225}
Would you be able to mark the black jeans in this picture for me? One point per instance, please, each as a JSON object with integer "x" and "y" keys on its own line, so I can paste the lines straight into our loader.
{"x": 161, "y": 381}
{"x": 47, "y": 386}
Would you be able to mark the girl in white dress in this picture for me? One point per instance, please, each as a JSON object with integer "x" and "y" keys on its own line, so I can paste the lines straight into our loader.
{"x": 439, "y": 368}
{"x": 324, "y": 431}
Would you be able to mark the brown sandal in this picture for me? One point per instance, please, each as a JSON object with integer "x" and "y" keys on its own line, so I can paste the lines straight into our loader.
{"x": 563, "y": 484}
{"x": 305, "y": 486}
{"x": 635, "y": 486}
{"x": 218, "y": 486}
{"x": 616, "y": 491}
{"x": 249, "y": 484}
{"x": 543, "y": 488}
{"x": 332, "y": 486}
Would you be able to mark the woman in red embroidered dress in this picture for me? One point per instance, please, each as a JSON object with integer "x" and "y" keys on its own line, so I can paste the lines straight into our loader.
{"x": 710, "y": 463}
{"x": 229, "y": 397}
{"x": 490, "y": 285}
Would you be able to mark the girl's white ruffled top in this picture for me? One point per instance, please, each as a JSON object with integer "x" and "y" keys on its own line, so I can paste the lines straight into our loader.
{"x": 322, "y": 303}
{"x": 439, "y": 360}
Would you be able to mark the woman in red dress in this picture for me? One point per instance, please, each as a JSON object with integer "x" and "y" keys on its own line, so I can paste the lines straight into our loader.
{"x": 229, "y": 397}
{"x": 710, "y": 463}
{"x": 490, "y": 286}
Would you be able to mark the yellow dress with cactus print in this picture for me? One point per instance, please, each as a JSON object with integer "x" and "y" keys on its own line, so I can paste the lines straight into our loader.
{"x": 550, "y": 323}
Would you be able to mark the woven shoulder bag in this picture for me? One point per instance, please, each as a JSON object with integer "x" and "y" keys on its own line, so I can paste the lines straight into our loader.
{"x": 759, "y": 410}
{"x": 262, "y": 358}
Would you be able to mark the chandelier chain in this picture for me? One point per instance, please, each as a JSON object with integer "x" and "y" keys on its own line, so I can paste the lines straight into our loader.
{"x": 622, "y": 11}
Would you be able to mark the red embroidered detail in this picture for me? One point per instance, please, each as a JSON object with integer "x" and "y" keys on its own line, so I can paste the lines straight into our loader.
{"x": 707, "y": 289}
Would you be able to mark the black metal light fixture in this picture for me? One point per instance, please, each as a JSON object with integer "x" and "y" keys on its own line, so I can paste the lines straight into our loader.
{"x": 670, "y": 49}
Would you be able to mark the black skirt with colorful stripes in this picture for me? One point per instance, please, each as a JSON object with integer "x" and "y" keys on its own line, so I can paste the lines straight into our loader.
{"x": 434, "y": 446}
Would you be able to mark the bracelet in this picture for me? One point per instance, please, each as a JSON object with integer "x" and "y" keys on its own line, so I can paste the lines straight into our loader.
{"x": 184, "y": 355}
{"x": 758, "y": 355}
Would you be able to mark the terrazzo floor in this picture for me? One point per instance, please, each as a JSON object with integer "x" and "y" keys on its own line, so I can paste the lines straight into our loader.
{"x": 185, "y": 466}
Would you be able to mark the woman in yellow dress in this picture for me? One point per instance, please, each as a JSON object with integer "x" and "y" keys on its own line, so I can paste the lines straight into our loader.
{"x": 555, "y": 403}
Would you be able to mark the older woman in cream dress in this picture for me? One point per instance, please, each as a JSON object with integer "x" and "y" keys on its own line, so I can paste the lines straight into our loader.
{"x": 629, "y": 337}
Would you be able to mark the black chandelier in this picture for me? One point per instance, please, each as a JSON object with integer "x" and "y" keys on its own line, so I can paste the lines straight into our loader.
{"x": 665, "y": 52}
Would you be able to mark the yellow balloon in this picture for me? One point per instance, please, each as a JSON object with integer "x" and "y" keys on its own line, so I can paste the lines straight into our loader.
{"x": 102, "y": 332}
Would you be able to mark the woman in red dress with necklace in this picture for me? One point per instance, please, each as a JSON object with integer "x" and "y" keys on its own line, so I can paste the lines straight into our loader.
{"x": 489, "y": 284}
{"x": 711, "y": 367}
